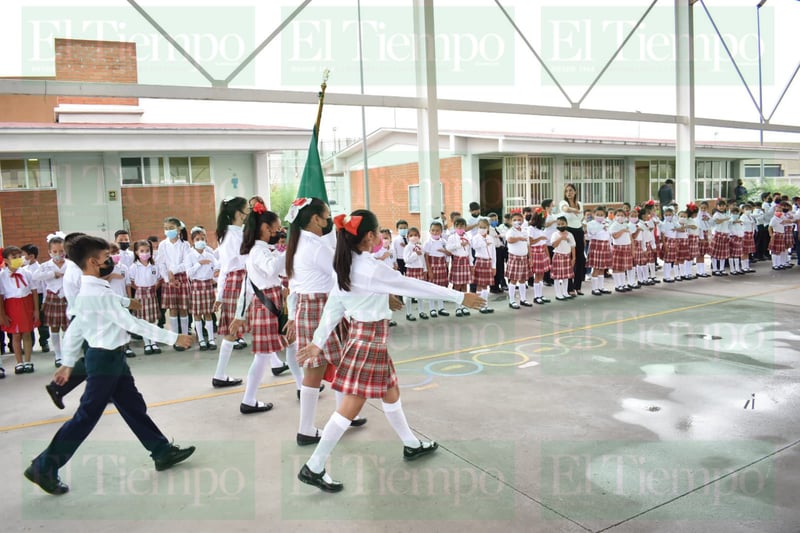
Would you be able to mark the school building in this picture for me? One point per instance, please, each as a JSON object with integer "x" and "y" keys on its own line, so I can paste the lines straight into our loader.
{"x": 94, "y": 165}
{"x": 505, "y": 171}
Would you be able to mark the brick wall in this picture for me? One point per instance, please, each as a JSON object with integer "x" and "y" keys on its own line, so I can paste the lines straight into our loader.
{"x": 96, "y": 61}
{"x": 28, "y": 217}
{"x": 146, "y": 207}
{"x": 388, "y": 190}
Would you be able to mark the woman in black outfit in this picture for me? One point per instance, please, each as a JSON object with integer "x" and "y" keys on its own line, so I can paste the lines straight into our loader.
{"x": 572, "y": 209}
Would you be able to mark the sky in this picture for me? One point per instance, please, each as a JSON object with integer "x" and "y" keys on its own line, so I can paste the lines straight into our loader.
{"x": 485, "y": 53}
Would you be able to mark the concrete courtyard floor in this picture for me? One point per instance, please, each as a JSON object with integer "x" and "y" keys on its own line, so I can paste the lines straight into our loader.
{"x": 619, "y": 413}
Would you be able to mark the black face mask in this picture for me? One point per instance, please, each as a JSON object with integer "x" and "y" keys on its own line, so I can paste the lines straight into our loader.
{"x": 562, "y": 228}
{"x": 107, "y": 268}
{"x": 329, "y": 227}
{"x": 274, "y": 240}
{"x": 124, "y": 245}
{"x": 786, "y": 210}
{"x": 528, "y": 218}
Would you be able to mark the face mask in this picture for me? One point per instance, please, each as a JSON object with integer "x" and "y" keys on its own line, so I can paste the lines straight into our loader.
{"x": 57, "y": 257}
{"x": 483, "y": 231}
{"x": 562, "y": 228}
{"x": 280, "y": 247}
{"x": 747, "y": 213}
{"x": 734, "y": 217}
{"x": 171, "y": 234}
{"x": 200, "y": 245}
{"x": 621, "y": 220}
{"x": 460, "y": 231}
{"x": 124, "y": 246}
{"x": 682, "y": 220}
{"x": 377, "y": 248}
{"x": 115, "y": 258}
{"x": 403, "y": 232}
{"x": 144, "y": 257}
{"x": 600, "y": 219}
{"x": 329, "y": 227}
{"x": 494, "y": 223}
{"x": 634, "y": 220}
{"x": 107, "y": 268}
{"x": 778, "y": 214}
{"x": 16, "y": 263}
{"x": 528, "y": 218}
{"x": 668, "y": 218}
{"x": 785, "y": 210}
{"x": 273, "y": 240}
{"x": 436, "y": 237}
{"x": 518, "y": 224}
{"x": 413, "y": 240}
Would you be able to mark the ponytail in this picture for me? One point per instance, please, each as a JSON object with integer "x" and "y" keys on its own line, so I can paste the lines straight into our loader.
{"x": 348, "y": 243}
{"x": 227, "y": 214}
{"x": 300, "y": 222}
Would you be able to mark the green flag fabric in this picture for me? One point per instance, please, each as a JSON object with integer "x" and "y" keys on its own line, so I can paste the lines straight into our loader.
{"x": 312, "y": 184}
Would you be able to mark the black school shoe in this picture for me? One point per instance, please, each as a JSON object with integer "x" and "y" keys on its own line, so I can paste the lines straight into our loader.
{"x": 227, "y": 382}
{"x": 51, "y": 484}
{"x": 424, "y": 448}
{"x": 307, "y": 440}
{"x": 55, "y": 394}
{"x": 45, "y": 348}
{"x": 277, "y": 371}
{"x": 259, "y": 407}
{"x": 172, "y": 456}
{"x": 317, "y": 480}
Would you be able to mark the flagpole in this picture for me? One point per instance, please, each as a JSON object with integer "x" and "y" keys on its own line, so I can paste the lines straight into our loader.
{"x": 325, "y": 74}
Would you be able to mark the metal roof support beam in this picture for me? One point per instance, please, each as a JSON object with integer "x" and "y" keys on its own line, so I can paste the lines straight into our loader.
{"x": 783, "y": 93}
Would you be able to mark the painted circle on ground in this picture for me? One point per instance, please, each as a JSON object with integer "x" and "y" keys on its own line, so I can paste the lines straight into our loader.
{"x": 542, "y": 349}
{"x": 428, "y": 377}
{"x": 478, "y": 358}
{"x": 580, "y": 342}
{"x": 453, "y": 364}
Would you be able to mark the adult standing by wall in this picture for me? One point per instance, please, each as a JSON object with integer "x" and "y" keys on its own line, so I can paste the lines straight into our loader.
{"x": 572, "y": 209}
{"x": 666, "y": 195}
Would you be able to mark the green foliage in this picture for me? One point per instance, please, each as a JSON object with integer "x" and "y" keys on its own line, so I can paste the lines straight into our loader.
{"x": 772, "y": 186}
{"x": 281, "y": 198}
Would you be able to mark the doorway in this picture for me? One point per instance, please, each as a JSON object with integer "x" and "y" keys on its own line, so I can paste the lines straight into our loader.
{"x": 491, "y": 186}
{"x": 80, "y": 184}
{"x": 642, "y": 178}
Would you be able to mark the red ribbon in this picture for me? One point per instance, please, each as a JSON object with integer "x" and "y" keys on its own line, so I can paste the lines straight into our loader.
{"x": 259, "y": 208}
{"x": 348, "y": 223}
{"x": 19, "y": 277}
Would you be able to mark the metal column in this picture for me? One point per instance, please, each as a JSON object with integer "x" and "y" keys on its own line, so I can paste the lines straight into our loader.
{"x": 684, "y": 94}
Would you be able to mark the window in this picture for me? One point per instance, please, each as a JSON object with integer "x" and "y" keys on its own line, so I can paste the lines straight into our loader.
{"x": 661, "y": 170}
{"x": 165, "y": 171}
{"x": 712, "y": 180}
{"x": 771, "y": 170}
{"x": 527, "y": 180}
{"x": 413, "y": 198}
{"x": 25, "y": 174}
{"x": 598, "y": 181}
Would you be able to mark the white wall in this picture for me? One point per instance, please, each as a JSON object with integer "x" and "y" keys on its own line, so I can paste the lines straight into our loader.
{"x": 234, "y": 175}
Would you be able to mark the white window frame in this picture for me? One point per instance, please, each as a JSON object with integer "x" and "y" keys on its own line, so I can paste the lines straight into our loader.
{"x": 599, "y": 181}
{"x": 416, "y": 186}
{"x": 527, "y": 179}
{"x": 167, "y": 175}
{"x": 714, "y": 175}
{"x": 27, "y": 186}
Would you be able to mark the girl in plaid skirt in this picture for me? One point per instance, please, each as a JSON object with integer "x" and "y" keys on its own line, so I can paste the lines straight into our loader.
{"x": 539, "y": 256}
{"x": 436, "y": 256}
{"x": 704, "y": 225}
{"x": 51, "y": 274}
{"x": 682, "y": 254}
{"x": 415, "y": 268}
{"x": 639, "y": 247}
{"x": 737, "y": 242}
{"x": 649, "y": 218}
{"x": 600, "y": 257}
{"x": 695, "y": 235}
{"x": 563, "y": 259}
{"x": 143, "y": 276}
{"x": 485, "y": 258}
{"x": 622, "y": 253}
{"x": 517, "y": 269}
{"x": 201, "y": 268}
{"x": 171, "y": 261}
{"x": 721, "y": 241}
{"x": 460, "y": 274}
{"x": 668, "y": 238}
{"x": 749, "y": 241}
{"x": 779, "y": 232}
{"x": 366, "y": 370}
{"x": 232, "y": 214}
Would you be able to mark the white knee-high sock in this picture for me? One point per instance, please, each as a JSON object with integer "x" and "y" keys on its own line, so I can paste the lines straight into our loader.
{"x": 331, "y": 434}
{"x": 254, "y": 377}
{"x": 595, "y": 284}
{"x": 538, "y": 289}
{"x": 512, "y": 292}
{"x": 308, "y": 410}
{"x": 294, "y": 368}
{"x": 746, "y": 264}
{"x": 785, "y": 258}
{"x": 432, "y": 305}
{"x": 688, "y": 268}
{"x": 275, "y": 361}
{"x": 735, "y": 266}
{"x": 523, "y": 291}
{"x": 149, "y": 342}
{"x": 667, "y": 270}
{"x": 485, "y": 295}
{"x": 397, "y": 419}
{"x": 701, "y": 267}
{"x": 714, "y": 265}
{"x": 225, "y": 351}
{"x": 210, "y": 330}
{"x": 775, "y": 260}
{"x": 408, "y": 305}
{"x": 339, "y": 398}
{"x": 173, "y": 324}
{"x": 198, "y": 328}
{"x": 55, "y": 341}
{"x": 560, "y": 287}
{"x": 632, "y": 277}
{"x": 184, "y": 321}
{"x": 651, "y": 269}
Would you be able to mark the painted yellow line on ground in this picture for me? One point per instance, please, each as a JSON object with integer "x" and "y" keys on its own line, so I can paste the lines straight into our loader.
{"x": 426, "y": 387}
{"x": 451, "y": 367}
{"x": 471, "y": 349}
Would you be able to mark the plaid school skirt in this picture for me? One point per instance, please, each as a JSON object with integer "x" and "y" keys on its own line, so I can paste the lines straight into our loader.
{"x": 652, "y": 254}
{"x": 622, "y": 258}
{"x": 202, "y": 295}
{"x": 517, "y": 268}
{"x": 55, "y": 312}
{"x": 562, "y": 266}
{"x": 415, "y": 273}
{"x": 366, "y": 369}
{"x": 230, "y": 297}
{"x": 176, "y": 297}
{"x": 459, "y": 271}
{"x": 720, "y": 246}
{"x": 737, "y": 246}
{"x": 147, "y": 296}
{"x": 779, "y": 242}
{"x": 683, "y": 250}
{"x": 694, "y": 246}
{"x": 705, "y": 243}
{"x": 264, "y": 325}
{"x": 749, "y": 243}
{"x": 483, "y": 272}
{"x": 438, "y": 271}
{"x": 670, "y": 253}
{"x": 640, "y": 254}
{"x": 600, "y": 255}
{"x": 306, "y": 319}
{"x": 539, "y": 260}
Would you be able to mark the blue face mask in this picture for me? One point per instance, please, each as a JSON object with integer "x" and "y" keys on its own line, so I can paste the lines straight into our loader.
{"x": 494, "y": 223}
{"x": 200, "y": 245}
{"x": 403, "y": 232}
{"x": 171, "y": 233}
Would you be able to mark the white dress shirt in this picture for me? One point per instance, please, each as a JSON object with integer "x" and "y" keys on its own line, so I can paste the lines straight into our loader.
{"x": 435, "y": 247}
{"x": 519, "y": 248}
{"x": 72, "y": 284}
{"x": 386, "y": 255}
{"x": 199, "y": 272}
{"x": 9, "y": 282}
{"x": 104, "y": 323}
{"x": 172, "y": 257}
{"x": 119, "y": 286}
{"x": 455, "y": 245}
{"x": 126, "y": 257}
{"x": 34, "y": 269}
{"x": 598, "y": 231}
{"x": 230, "y": 260}
{"x": 312, "y": 271}
{"x": 623, "y": 239}
{"x": 371, "y": 283}
{"x": 536, "y": 233}
{"x": 412, "y": 259}
{"x": 265, "y": 266}
{"x": 565, "y": 246}
{"x": 46, "y": 275}
{"x": 143, "y": 275}
{"x": 484, "y": 247}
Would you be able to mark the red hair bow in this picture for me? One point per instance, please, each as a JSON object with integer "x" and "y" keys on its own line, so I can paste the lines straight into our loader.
{"x": 348, "y": 223}
{"x": 259, "y": 208}
{"x": 537, "y": 210}
{"x": 651, "y": 202}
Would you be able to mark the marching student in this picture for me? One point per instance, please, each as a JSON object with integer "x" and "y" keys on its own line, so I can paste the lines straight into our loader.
{"x": 366, "y": 370}
{"x": 539, "y": 258}
{"x": 202, "y": 268}
{"x": 232, "y": 214}
{"x": 484, "y": 266}
{"x": 721, "y": 240}
{"x": 436, "y": 256}
{"x": 600, "y": 256}
{"x": 51, "y": 276}
{"x": 622, "y": 252}
{"x": 21, "y": 308}
{"x": 171, "y": 261}
{"x": 104, "y": 324}
{"x": 518, "y": 268}
{"x": 144, "y": 278}
{"x": 460, "y": 275}
{"x": 416, "y": 268}
{"x": 563, "y": 259}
